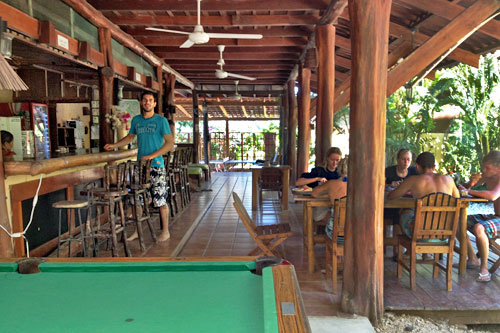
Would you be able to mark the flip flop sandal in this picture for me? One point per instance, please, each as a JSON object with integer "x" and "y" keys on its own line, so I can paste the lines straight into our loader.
{"x": 484, "y": 277}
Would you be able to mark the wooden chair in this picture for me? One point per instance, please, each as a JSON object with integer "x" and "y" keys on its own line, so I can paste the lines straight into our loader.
{"x": 335, "y": 246}
{"x": 270, "y": 180}
{"x": 267, "y": 237}
{"x": 436, "y": 221}
{"x": 495, "y": 248}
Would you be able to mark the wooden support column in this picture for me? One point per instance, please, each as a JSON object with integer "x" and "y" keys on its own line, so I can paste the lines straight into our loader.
{"x": 362, "y": 291}
{"x": 292, "y": 131}
{"x": 6, "y": 250}
{"x": 169, "y": 99}
{"x": 105, "y": 88}
{"x": 304, "y": 129}
{"x": 159, "y": 98}
{"x": 325, "y": 44}
{"x": 196, "y": 128}
{"x": 284, "y": 126}
{"x": 226, "y": 148}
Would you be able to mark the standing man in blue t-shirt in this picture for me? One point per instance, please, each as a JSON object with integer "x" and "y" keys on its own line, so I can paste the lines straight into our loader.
{"x": 153, "y": 139}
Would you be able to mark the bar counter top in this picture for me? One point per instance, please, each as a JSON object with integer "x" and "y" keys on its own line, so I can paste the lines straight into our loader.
{"x": 36, "y": 167}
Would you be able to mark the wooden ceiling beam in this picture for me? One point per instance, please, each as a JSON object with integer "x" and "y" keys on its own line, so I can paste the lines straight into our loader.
{"x": 229, "y": 49}
{"x": 208, "y": 5}
{"x": 436, "y": 48}
{"x": 245, "y": 68}
{"x": 235, "y": 62}
{"x": 241, "y": 83}
{"x": 230, "y": 56}
{"x": 223, "y": 109}
{"x": 183, "y": 110}
{"x": 449, "y": 11}
{"x": 290, "y": 31}
{"x": 266, "y": 41}
{"x": 228, "y": 102}
{"x": 219, "y": 21}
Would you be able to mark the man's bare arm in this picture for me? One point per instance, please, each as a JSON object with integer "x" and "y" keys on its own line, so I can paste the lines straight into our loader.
{"x": 167, "y": 146}
{"x": 401, "y": 190}
{"x": 491, "y": 195}
{"x": 125, "y": 141}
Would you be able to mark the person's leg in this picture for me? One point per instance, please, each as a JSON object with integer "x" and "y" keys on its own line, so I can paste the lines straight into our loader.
{"x": 472, "y": 259}
{"x": 165, "y": 234}
{"x": 483, "y": 247}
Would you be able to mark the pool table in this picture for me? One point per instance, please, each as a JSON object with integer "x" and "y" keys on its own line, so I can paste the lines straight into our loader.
{"x": 227, "y": 294}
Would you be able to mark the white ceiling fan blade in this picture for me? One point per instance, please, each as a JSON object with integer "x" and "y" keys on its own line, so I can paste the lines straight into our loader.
{"x": 187, "y": 44}
{"x": 239, "y": 36}
{"x": 243, "y": 77}
{"x": 167, "y": 30}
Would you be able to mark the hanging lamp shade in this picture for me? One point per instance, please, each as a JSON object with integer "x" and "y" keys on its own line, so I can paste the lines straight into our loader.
{"x": 9, "y": 80}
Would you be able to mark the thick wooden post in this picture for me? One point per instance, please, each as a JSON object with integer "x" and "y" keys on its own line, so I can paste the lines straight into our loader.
{"x": 226, "y": 146}
{"x": 196, "y": 128}
{"x": 325, "y": 44}
{"x": 159, "y": 98}
{"x": 6, "y": 250}
{"x": 169, "y": 99}
{"x": 292, "y": 131}
{"x": 284, "y": 126}
{"x": 362, "y": 291}
{"x": 105, "y": 88}
{"x": 304, "y": 129}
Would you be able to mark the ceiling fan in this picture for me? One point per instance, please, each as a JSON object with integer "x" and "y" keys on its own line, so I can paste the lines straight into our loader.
{"x": 222, "y": 74}
{"x": 236, "y": 95}
{"x": 199, "y": 36}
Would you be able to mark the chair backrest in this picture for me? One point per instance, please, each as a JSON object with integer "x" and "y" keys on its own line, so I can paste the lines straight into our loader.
{"x": 436, "y": 217}
{"x": 139, "y": 172}
{"x": 270, "y": 179}
{"x": 115, "y": 177}
{"x": 242, "y": 212}
{"x": 339, "y": 214}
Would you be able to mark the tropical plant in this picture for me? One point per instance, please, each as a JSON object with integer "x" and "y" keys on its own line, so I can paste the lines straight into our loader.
{"x": 474, "y": 91}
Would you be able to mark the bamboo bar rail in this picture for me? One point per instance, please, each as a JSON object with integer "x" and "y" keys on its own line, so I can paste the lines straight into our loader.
{"x": 34, "y": 168}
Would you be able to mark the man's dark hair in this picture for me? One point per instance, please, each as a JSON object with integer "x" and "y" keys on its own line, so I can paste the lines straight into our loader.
{"x": 144, "y": 93}
{"x": 7, "y": 136}
{"x": 426, "y": 160}
{"x": 493, "y": 158}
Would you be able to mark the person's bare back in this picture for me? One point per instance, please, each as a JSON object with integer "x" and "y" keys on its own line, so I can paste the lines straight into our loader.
{"x": 426, "y": 182}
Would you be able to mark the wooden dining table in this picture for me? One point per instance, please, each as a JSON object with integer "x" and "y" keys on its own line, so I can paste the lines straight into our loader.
{"x": 406, "y": 202}
{"x": 285, "y": 183}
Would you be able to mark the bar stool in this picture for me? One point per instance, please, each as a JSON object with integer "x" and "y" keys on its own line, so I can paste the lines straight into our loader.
{"x": 185, "y": 157}
{"x": 180, "y": 182}
{"x": 139, "y": 184}
{"x": 172, "y": 192}
{"x": 71, "y": 206}
{"x": 111, "y": 196}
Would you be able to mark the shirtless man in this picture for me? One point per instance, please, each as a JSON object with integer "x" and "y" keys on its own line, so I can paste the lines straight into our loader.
{"x": 485, "y": 225}
{"x": 424, "y": 183}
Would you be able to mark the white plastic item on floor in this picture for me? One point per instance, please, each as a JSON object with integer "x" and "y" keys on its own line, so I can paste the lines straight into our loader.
{"x": 321, "y": 324}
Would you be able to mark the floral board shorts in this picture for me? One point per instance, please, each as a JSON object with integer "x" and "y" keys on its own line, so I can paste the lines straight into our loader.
{"x": 158, "y": 189}
{"x": 491, "y": 223}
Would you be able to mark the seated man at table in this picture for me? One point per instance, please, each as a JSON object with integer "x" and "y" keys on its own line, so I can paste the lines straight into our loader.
{"x": 485, "y": 226}
{"x": 424, "y": 183}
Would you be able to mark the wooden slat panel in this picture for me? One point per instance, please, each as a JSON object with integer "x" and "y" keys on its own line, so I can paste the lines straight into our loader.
{"x": 19, "y": 21}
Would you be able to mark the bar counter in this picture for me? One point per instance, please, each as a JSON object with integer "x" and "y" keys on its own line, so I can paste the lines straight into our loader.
{"x": 36, "y": 167}
{"x": 64, "y": 176}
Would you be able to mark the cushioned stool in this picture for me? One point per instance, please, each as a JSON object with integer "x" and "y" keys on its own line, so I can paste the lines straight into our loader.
{"x": 204, "y": 167}
{"x": 71, "y": 205}
{"x": 195, "y": 173}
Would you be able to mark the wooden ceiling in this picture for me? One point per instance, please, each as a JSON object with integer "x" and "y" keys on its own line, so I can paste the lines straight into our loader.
{"x": 287, "y": 27}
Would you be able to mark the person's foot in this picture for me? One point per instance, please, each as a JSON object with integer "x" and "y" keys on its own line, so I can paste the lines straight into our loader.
{"x": 484, "y": 277}
{"x": 133, "y": 236}
{"x": 164, "y": 236}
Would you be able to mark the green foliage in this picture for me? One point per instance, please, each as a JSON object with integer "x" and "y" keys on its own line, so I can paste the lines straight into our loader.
{"x": 473, "y": 91}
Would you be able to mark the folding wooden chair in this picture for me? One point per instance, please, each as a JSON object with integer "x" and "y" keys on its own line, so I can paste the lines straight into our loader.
{"x": 436, "y": 221}
{"x": 335, "y": 246}
{"x": 267, "y": 237}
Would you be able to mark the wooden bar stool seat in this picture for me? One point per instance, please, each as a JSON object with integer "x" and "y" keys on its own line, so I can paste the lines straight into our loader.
{"x": 138, "y": 197}
{"x": 111, "y": 196}
{"x": 71, "y": 206}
